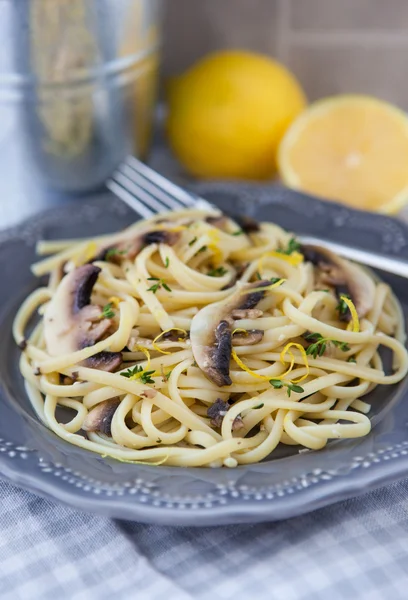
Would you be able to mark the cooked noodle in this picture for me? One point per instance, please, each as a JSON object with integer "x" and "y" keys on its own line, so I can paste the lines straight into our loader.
{"x": 185, "y": 404}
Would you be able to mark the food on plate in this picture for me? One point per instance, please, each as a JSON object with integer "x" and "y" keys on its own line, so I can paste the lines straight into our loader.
{"x": 228, "y": 113}
{"x": 198, "y": 339}
{"x": 352, "y": 149}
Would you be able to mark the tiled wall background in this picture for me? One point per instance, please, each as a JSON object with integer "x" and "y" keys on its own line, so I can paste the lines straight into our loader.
{"x": 332, "y": 46}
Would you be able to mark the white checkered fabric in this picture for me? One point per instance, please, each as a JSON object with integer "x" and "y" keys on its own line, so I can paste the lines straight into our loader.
{"x": 353, "y": 549}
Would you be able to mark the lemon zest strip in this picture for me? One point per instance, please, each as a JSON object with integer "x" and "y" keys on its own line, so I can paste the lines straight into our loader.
{"x": 147, "y": 355}
{"x": 115, "y": 300}
{"x": 239, "y": 330}
{"x": 244, "y": 367}
{"x": 267, "y": 287}
{"x": 287, "y": 350}
{"x": 293, "y": 259}
{"x": 355, "y": 323}
{"x": 154, "y": 343}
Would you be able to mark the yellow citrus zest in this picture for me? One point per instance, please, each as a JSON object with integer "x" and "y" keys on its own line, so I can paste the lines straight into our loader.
{"x": 247, "y": 369}
{"x": 354, "y": 324}
{"x": 166, "y": 227}
{"x": 218, "y": 256}
{"x": 154, "y": 343}
{"x": 90, "y": 251}
{"x": 293, "y": 259}
{"x": 244, "y": 367}
{"x": 214, "y": 239}
{"x": 267, "y": 287}
{"x": 239, "y": 330}
{"x": 287, "y": 350}
{"x": 147, "y": 355}
{"x": 115, "y": 300}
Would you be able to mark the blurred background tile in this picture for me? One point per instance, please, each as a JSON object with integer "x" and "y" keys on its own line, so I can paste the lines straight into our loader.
{"x": 332, "y": 46}
{"x": 194, "y": 28}
{"x": 325, "y": 71}
{"x": 348, "y": 15}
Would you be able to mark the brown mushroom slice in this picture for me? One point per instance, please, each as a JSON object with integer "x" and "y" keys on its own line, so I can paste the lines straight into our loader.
{"x": 217, "y": 411}
{"x": 249, "y": 313}
{"x": 100, "y": 417}
{"x": 247, "y": 338}
{"x": 247, "y": 224}
{"x": 71, "y": 323}
{"x": 211, "y": 331}
{"x": 130, "y": 248}
{"x": 345, "y": 276}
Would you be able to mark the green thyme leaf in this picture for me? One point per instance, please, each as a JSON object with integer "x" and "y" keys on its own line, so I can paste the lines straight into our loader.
{"x": 290, "y": 387}
{"x": 239, "y": 232}
{"x": 293, "y": 246}
{"x": 276, "y": 383}
{"x": 132, "y": 371}
{"x": 259, "y": 406}
{"x": 319, "y": 346}
{"x": 107, "y": 312}
{"x": 166, "y": 262}
{"x": 218, "y": 272}
{"x": 112, "y": 252}
{"x": 297, "y": 388}
{"x": 192, "y": 241}
{"x": 160, "y": 283}
{"x": 145, "y": 377}
{"x": 137, "y": 371}
{"x": 342, "y": 307}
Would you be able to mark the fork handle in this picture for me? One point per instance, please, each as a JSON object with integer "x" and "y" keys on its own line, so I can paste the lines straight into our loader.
{"x": 370, "y": 259}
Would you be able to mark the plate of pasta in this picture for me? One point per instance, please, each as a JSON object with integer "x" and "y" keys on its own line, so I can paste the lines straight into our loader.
{"x": 200, "y": 365}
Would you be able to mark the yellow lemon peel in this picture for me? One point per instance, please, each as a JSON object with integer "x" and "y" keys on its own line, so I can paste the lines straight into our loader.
{"x": 302, "y": 351}
{"x": 115, "y": 300}
{"x": 293, "y": 259}
{"x": 88, "y": 252}
{"x": 354, "y": 324}
{"x": 146, "y": 352}
{"x": 239, "y": 330}
{"x": 244, "y": 367}
{"x": 175, "y": 228}
{"x": 154, "y": 343}
{"x": 267, "y": 287}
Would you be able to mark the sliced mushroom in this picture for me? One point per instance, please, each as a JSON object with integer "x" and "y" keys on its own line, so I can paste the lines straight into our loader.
{"x": 248, "y": 338}
{"x": 217, "y": 412}
{"x": 100, "y": 417}
{"x": 247, "y": 224}
{"x": 71, "y": 323}
{"x": 211, "y": 331}
{"x": 220, "y": 221}
{"x": 249, "y": 313}
{"x": 345, "y": 276}
{"x": 129, "y": 248}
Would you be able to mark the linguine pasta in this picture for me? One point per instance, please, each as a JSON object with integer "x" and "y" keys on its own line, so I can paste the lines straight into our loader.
{"x": 194, "y": 339}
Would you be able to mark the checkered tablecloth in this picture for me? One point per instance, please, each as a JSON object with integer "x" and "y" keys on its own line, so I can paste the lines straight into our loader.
{"x": 353, "y": 549}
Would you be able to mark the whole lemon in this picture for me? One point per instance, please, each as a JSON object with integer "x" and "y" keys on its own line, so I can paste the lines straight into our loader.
{"x": 228, "y": 113}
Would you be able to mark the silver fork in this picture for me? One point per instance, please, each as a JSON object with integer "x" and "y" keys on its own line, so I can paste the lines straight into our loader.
{"x": 148, "y": 193}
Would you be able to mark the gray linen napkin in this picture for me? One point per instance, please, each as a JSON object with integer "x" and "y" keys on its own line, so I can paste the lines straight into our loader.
{"x": 353, "y": 549}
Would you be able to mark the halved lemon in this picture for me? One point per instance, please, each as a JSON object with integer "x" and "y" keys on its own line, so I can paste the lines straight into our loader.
{"x": 353, "y": 149}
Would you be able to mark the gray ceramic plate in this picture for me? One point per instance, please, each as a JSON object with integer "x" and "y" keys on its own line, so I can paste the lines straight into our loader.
{"x": 287, "y": 484}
